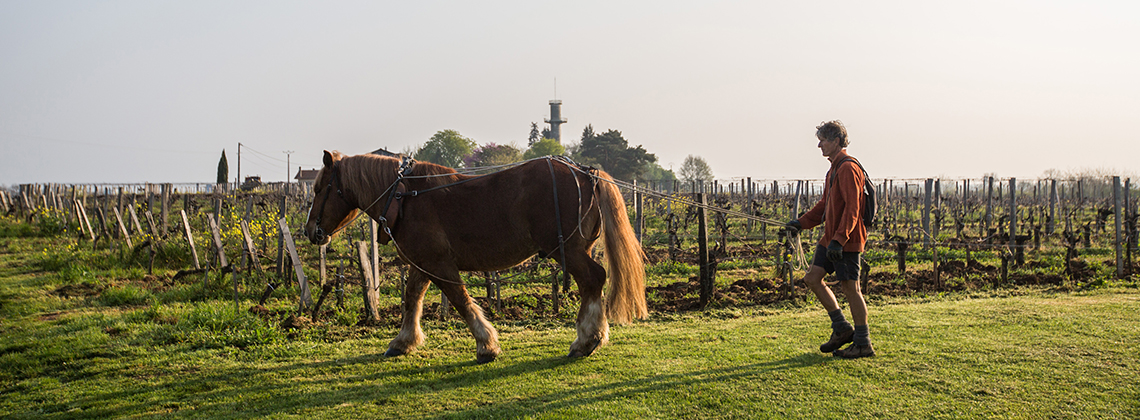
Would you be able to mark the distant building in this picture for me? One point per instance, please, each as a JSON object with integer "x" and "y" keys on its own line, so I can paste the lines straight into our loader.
{"x": 556, "y": 119}
{"x": 306, "y": 176}
{"x": 251, "y": 182}
{"x": 384, "y": 152}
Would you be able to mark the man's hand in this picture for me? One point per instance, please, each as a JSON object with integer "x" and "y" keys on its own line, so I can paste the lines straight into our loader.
{"x": 834, "y": 251}
{"x": 794, "y": 227}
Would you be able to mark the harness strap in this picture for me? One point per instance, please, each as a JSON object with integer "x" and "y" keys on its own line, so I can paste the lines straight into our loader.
{"x": 558, "y": 222}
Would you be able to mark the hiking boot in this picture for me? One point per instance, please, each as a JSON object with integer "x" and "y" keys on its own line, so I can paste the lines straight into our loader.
{"x": 855, "y": 351}
{"x": 837, "y": 340}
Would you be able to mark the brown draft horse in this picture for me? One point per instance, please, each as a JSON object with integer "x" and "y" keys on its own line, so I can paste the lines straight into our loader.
{"x": 443, "y": 222}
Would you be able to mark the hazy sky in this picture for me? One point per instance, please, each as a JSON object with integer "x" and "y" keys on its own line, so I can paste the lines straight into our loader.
{"x": 133, "y": 91}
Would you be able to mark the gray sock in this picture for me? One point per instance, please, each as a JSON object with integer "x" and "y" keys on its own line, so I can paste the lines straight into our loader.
{"x": 839, "y": 324}
{"x": 862, "y": 335}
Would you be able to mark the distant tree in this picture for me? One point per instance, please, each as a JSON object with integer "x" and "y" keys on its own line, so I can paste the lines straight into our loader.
{"x": 588, "y": 132}
{"x": 223, "y": 169}
{"x": 544, "y": 147}
{"x": 447, "y": 148}
{"x": 654, "y": 172}
{"x": 547, "y": 134}
{"x": 535, "y": 135}
{"x": 696, "y": 169}
{"x": 612, "y": 152}
{"x": 492, "y": 154}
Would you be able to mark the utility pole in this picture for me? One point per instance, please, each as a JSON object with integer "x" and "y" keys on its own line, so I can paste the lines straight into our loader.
{"x": 287, "y": 155}
{"x": 239, "y": 166}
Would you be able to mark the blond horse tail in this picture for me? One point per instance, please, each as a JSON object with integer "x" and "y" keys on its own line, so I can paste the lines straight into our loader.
{"x": 624, "y": 257}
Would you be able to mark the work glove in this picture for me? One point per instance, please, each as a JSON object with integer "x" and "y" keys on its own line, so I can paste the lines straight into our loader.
{"x": 834, "y": 251}
{"x": 794, "y": 227}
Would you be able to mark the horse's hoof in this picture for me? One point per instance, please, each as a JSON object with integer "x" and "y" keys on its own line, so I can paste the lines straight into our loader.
{"x": 394, "y": 352}
{"x": 484, "y": 358}
{"x": 585, "y": 351}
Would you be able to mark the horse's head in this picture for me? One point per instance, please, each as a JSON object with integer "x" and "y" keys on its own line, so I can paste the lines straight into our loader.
{"x": 331, "y": 210}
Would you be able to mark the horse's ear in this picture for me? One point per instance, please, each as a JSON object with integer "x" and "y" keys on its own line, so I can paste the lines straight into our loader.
{"x": 329, "y": 160}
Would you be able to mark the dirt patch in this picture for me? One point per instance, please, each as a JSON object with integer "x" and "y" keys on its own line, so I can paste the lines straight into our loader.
{"x": 685, "y": 296}
{"x": 84, "y": 289}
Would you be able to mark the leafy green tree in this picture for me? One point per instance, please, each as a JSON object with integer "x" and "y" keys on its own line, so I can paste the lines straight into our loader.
{"x": 544, "y": 147}
{"x": 223, "y": 169}
{"x": 654, "y": 172}
{"x": 492, "y": 154}
{"x": 696, "y": 169}
{"x": 447, "y": 148}
{"x": 612, "y": 152}
{"x": 535, "y": 135}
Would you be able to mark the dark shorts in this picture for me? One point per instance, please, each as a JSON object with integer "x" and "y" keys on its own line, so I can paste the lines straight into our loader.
{"x": 845, "y": 269}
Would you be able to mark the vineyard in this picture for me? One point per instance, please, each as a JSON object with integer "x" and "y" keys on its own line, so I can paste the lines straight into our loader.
{"x": 178, "y": 300}
{"x": 721, "y": 247}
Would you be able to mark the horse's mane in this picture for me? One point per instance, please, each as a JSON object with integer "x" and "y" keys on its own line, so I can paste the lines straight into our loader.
{"x": 369, "y": 175}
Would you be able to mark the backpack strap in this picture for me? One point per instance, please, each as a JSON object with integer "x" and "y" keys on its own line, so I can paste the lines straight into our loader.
{"x": 835, "y": 176}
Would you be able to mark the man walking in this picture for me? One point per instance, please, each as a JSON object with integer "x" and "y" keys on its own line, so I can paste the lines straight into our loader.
{"x": 840, "y": 249}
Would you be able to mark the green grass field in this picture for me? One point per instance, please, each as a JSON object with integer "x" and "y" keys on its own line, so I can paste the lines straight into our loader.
{"x": 132, "y": 352}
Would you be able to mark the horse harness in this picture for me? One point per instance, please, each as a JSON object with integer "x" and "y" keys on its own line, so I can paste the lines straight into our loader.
{"x": 389, "y": 216}
{"x": 399, "y": 191}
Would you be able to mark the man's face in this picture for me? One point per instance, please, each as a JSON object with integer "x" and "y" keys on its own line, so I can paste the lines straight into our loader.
{"x": 829, "y": 147}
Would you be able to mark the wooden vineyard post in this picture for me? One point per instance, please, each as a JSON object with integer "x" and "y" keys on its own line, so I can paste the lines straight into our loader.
{"x": 1130, "y": 226}
{"x": 166, "y": 206}
{"x": 323, "y": 277}
{"x": 796, "y": 205}
{"x": 375, "y": 251}
{"x": 248, "y": 245}
{"x": 135, "y": 219}
{"x": 706, "y": 277}
{"x": 1119, "y": 241}
{"x": 190, "y": 240}
{"x": 989, "y": 206}
{"x": 936, "y": 208}
{"x": 86, "y": 223}
{"x": 281, "y": 241}
{"x": 306, "y": 298}
{"x": 340, "y": 284}
{"x": 119, "y": 201}
{"x": 150, "y": 223}
{"x": 926, "y": 214}
{"x": 371, "y": 294}
{"x": 751, "y": 211}
{"x": 217, "y": 235}
{"x": 1012, "y": 214}
{"x": 1050, "y": 225}
{"x": 103, "y": 230}
{"x": 122, "y": 228}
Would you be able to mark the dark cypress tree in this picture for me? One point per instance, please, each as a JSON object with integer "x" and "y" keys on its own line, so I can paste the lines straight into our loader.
{"x": 223, "y": 169}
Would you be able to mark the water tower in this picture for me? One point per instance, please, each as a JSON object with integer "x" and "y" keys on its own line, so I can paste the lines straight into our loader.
{"x": 556, "y": 120}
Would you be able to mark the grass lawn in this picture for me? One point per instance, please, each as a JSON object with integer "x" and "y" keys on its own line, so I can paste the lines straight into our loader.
{"x": 1006, "y": 353}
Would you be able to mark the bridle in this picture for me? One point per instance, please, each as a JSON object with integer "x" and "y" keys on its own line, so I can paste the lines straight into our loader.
{"x": 392, "y": 192}
{"x": 319, "y": 233}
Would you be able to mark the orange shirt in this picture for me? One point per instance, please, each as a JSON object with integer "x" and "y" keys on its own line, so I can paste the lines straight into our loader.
{"x": 842, "y": 204}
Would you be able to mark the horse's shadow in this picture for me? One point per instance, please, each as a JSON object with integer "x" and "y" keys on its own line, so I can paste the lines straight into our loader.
{"x": 633, "y": 389}
{"x": 256, "y": 392}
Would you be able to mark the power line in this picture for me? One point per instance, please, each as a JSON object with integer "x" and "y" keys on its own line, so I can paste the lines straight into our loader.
{"x": 148, "y": 149}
